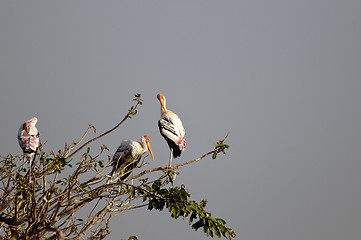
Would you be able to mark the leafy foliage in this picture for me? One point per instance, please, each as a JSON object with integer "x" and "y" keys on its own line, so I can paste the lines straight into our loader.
{"x": 220, "y": 146}
{"x": 45, "y": 200}
{"x": 175, "y": 199}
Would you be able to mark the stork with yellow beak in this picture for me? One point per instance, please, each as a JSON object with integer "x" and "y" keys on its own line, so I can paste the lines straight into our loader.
{"x": 128, "y": 155}
{"x": 28, "y": 138}
{"x": 171, "y": 128}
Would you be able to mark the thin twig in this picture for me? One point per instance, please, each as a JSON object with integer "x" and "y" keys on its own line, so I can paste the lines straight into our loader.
{"x": 81, "y": 139}
{"x": 129, "y": 114}
{"x": 170, "y": 168}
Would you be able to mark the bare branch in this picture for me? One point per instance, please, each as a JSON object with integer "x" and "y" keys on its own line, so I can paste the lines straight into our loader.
{"x": 168, "y": 168}
{"x": 76, "y": 144}
{"x": 129, "y": 114}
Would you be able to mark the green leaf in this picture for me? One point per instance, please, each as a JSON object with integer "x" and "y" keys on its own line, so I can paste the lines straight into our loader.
{"x": 132, "y": 191}
{"x": 138, "y": 99}
{"x": 62, "y": 161}
{"x": 197, "y": 225}
{"x": 203, "y": 203}
{"x": 176, "y": 212}
{"x": 145, "y": 196}
{"x": 150, "y": 206}
{"x": 210, "y": 232}
{"x": 220, "y": 220}
{"x": 156, "y": 185}
{"x": 163, "y": 191}
{"x": 101, "y": 164}
{"x": 161, "y": 205}
{"x": 211, "y": 223}
{"x": 187, "y": 209}
{"x": 193, "y": 205}
{"x": 104, "y": 147}
{"x": 216, "y": 231}
{"x": 223, "y": 230}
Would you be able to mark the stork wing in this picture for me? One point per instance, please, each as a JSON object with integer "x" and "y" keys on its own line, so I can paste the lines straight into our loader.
{"x": 121, "y": 154}
{"x": 165, "y": 125}
{"x": 33, "y": 131}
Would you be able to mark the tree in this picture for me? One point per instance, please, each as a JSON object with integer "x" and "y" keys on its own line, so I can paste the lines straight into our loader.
{"x": 43, "y": 202}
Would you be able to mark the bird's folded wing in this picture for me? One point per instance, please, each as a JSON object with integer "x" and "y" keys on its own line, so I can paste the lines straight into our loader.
{"x": 163, "y": 124}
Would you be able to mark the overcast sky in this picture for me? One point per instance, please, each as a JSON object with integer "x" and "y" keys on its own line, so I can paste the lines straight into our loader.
{"x": 282, "y": 76}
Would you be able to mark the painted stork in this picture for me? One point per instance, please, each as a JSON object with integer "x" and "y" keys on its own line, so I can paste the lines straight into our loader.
{"x": 28, "y": 138}
{"x": 171, "y": 128}
{"x": 128, "y": 155}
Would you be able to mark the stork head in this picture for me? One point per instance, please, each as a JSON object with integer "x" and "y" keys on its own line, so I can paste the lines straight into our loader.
{"x": 161, "y": 99}
{"x": 30, "y": 122}
{"x": 146, "y": 138}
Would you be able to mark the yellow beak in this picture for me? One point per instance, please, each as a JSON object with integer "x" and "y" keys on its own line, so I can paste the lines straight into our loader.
{"x": 27, "y": 128}
{"x": 150, "y": 150}
{"x": 163, "y": 106}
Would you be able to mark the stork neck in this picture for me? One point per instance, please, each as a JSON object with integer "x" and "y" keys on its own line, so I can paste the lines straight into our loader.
{"x": 143, "y": 143}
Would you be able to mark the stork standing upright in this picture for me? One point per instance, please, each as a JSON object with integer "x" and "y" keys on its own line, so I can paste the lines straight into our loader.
{"x": 28, "y": 138}
{"x": 128, "y": 155}
{"x": 171, "y": 128}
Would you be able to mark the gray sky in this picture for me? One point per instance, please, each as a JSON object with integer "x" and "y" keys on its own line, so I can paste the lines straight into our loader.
{"x": 282, "y": 76}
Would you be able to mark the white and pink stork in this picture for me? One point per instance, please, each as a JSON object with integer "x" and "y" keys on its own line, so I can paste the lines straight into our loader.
{"x": 28, "y": 138}
{"x": 128, "y": 155}
{"x": 171, "y": 128}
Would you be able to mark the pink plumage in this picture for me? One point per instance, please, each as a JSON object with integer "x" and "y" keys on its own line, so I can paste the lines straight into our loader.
{"x": 182, "y": 143}
{"x": 28, "y": 137}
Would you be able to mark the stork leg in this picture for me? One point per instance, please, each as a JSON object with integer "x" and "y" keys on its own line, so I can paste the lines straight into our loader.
{"x": 133, "y": 172}
{"x": 170, "y": 157}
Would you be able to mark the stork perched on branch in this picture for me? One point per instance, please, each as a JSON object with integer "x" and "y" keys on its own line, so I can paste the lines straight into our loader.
{"x": 28, "y": 138}
{"x": 171, "y": 128}
{"x": 128, "y": 155}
